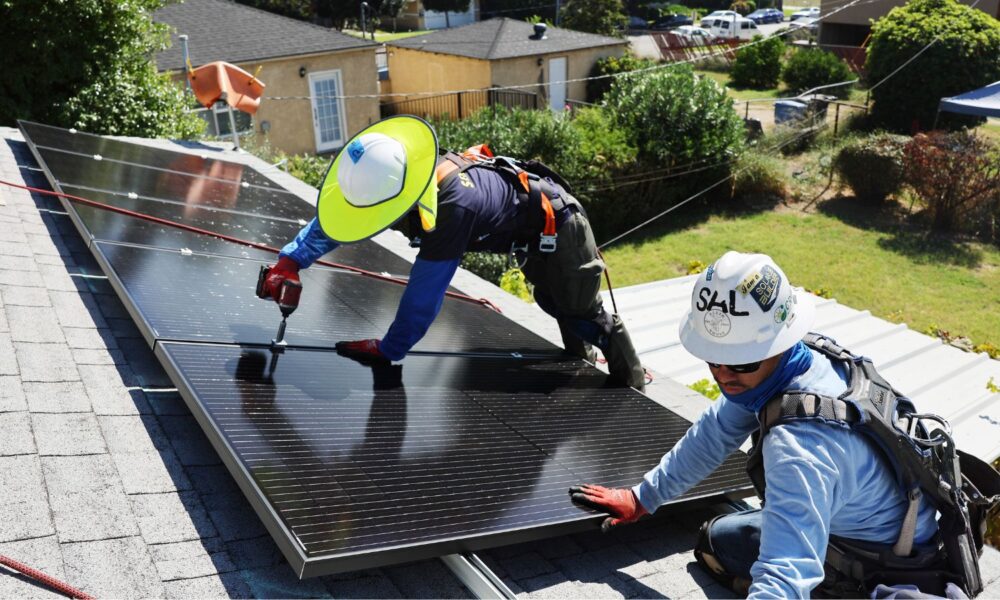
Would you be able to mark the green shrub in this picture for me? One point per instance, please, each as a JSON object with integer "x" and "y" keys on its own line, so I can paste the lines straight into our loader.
{"x": 673, "y": 117}
{"x": 758, "y": 65}
{"x": 603, "y": 17}
{"x": 487, "y": 265}
{"x": 513, "y": 282}
{"x": 872, "y": 166}
{"x": 759, "y": 176}
{"x": 965, "y": 55}
{"x": 706, "y": 388}
{"x": 612, "y": 65}
{"x": 603, "y": 149}
{"x": 810, "y": 68}
{"x": 744, "y": 7}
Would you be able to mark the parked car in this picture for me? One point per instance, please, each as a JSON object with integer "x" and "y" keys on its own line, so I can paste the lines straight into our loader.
{"x": 766, "y": 15}
{"x": 671, "y": 22}
{"x": 706, "y": 21}
{"x": 696, "y": 36}
{"x": 637, "y": 23}
{"x": 805, "y": 13}
{"x": 810, "y": 25}
{"x": 739, "y": 28}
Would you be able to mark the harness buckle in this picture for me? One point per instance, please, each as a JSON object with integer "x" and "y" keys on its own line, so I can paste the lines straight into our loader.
{"x": 518, "y": 256}
{"x": 547, "y": 243}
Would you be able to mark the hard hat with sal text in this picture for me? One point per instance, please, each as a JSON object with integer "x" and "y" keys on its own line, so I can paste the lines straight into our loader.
{"x": 378, "y": 176}
{"x": 743, "y": 309}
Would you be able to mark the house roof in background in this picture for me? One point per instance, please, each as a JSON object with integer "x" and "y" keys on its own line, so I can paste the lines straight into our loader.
{"x": 504, "y": 38}
{"x": 225, "y": 30}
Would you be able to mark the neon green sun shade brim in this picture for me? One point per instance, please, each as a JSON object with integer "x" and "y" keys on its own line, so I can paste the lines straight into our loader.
{"x": 345, "y": 223}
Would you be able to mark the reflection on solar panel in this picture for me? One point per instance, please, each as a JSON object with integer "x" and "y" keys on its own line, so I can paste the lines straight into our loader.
{"x": 471, "y": 443}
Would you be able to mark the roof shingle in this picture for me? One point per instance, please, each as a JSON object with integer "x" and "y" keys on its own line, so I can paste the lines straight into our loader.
{"x": 504, "y": 38}
{"x": 225, "y": 30}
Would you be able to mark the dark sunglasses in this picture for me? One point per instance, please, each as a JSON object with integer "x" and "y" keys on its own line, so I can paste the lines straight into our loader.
{"x": 747, "y": 368}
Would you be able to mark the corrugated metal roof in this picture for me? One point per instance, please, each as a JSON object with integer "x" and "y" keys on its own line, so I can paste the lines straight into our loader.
{"x": 940, "y": 378}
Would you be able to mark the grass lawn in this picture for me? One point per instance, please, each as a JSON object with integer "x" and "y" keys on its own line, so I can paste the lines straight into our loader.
{"x": 385, "y": 36}
{"x": 864, "y": 262}
{"x": 857, "y": 96}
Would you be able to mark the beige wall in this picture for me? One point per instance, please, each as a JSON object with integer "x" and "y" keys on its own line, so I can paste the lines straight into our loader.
{"x": 861, "y": 13}
{"x": 415, "y": 71}
{"x": 291, "y": 121}
{"x": 520, "y": 71}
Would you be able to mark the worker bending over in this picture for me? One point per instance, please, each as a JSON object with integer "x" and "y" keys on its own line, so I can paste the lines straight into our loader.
{"x": 450, "y": 204}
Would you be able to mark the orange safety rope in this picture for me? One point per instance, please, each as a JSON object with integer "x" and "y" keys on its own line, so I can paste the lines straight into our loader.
{"x": 235, "y": 240}
{"x": 37, "y": 575}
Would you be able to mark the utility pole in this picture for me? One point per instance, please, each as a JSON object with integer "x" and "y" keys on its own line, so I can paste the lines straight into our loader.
{"x": 364, "y": 27}
{"x": 557, "y": 12}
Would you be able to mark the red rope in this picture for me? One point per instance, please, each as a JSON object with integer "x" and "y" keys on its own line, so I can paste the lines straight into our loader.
{"x": 37, "y": 575}
{"x": 235, "y": 240}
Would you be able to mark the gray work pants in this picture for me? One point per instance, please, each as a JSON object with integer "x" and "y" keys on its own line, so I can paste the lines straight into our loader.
{"x": 567, "y": 285}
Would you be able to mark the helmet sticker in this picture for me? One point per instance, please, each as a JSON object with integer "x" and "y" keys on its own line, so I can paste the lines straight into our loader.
{"x": 717, "y": 323}
{"x": 765, "y": 289}
{"x": 356, "y": 150}
{"x": 785, "y": 312}
{"x": 709, "y": 272}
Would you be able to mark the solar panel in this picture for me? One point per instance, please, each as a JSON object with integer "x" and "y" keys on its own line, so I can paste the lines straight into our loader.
{"x": 370, "y": 466}
{"x": 471, "y": 443}
{"x": 217, "y": 303}
{"x": 45, "y": 136}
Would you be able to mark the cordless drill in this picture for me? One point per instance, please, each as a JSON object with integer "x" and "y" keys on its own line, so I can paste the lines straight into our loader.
{"x": 288, "y": 301}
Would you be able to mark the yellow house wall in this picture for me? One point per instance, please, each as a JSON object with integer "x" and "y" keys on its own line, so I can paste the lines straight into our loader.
{"x": 415, "y": 71}
{"x": 526, "y": 70}
{"x": 291, "y": 123}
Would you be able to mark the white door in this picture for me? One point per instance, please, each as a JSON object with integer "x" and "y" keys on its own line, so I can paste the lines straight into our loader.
{"x": 557, "y": 84}
{"x": 328, "y": 110}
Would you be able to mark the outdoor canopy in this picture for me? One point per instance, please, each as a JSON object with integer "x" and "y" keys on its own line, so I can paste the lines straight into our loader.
{"x": 984, "y": 102}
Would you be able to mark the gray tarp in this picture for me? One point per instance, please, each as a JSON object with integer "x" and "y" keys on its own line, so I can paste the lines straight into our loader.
{"x": 984, "y": 102}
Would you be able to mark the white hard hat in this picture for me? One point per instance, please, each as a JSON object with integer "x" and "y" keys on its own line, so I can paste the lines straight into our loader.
{"x": 743, "y": 309}
{"x": 374, "y": 171}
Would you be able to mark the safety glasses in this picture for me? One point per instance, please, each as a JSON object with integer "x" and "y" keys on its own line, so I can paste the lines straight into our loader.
{"x": 742, "y": 369}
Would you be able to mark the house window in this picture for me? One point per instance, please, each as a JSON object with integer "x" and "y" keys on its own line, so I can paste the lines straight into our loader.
{"x": 217, "y": 120}
{"x": 328, "y": 110}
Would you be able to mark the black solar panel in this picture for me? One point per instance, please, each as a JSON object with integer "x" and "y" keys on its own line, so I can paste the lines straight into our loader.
{"x": 349, "y": 466}
{"x": 219, "y": 305}
{"x": 368, "y": 466}
{"x": 117, "y": 151}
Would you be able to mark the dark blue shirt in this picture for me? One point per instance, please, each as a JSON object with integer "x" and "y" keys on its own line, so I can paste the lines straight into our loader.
{"x": 477, "y": 211}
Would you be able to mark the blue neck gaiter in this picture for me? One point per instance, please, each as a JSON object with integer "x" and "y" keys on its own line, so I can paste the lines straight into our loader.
{"x": 794, "y": 362}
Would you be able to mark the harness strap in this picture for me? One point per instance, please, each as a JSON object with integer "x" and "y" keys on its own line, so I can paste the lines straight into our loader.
{"x": 805, "y": 405}
{"x": 904, "y": 543}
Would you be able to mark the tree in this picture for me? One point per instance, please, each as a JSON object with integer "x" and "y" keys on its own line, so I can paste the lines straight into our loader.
{"x": 296, "y": 9}
{"x": 603, "y": 17}
{"x": 390, "y": 9}
{"x": 86, "y": 64}
{"x": 809, "y": 68}
{"x": 446, "y": 6}
{"x": 965, "y": 56}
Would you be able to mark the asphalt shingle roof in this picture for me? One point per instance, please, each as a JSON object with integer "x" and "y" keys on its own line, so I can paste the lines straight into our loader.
{"x": 504, "y": 38}
{"x": 224, "y": 30}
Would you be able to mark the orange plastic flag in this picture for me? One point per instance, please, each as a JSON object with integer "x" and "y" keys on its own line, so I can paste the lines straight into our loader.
{"x": 222, "y": 81}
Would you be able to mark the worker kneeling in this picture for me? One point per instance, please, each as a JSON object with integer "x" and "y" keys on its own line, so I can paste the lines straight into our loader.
{"x": 851, "y": 495}
{"x": 449, "y": 204}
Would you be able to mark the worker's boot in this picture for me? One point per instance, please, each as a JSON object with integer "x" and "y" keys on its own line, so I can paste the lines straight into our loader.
{"x": 623, "y": 362}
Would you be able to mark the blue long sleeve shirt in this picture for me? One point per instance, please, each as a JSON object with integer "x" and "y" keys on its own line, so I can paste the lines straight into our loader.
{"x": 821, "y": 480}
{"x": 477, "y": 211}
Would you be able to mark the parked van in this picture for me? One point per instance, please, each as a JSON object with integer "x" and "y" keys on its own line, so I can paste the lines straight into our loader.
{"x": 739, "y": 28}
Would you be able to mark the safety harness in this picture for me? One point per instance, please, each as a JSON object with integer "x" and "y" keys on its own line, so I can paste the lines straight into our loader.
{"x": 963, "y": 489}
{"x": 538, "y": 201}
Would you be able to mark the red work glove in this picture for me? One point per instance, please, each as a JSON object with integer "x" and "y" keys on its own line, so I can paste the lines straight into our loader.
{"x": 285, "y": 268}
{"x": 364, "y": 351}
{"x": 620, "y": 503}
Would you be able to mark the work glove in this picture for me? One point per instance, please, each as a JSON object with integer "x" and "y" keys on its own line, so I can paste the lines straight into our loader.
{"x": 285, "y": 268}
{"x": 365, "y": 352}
{"x": 620, "y": 503}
